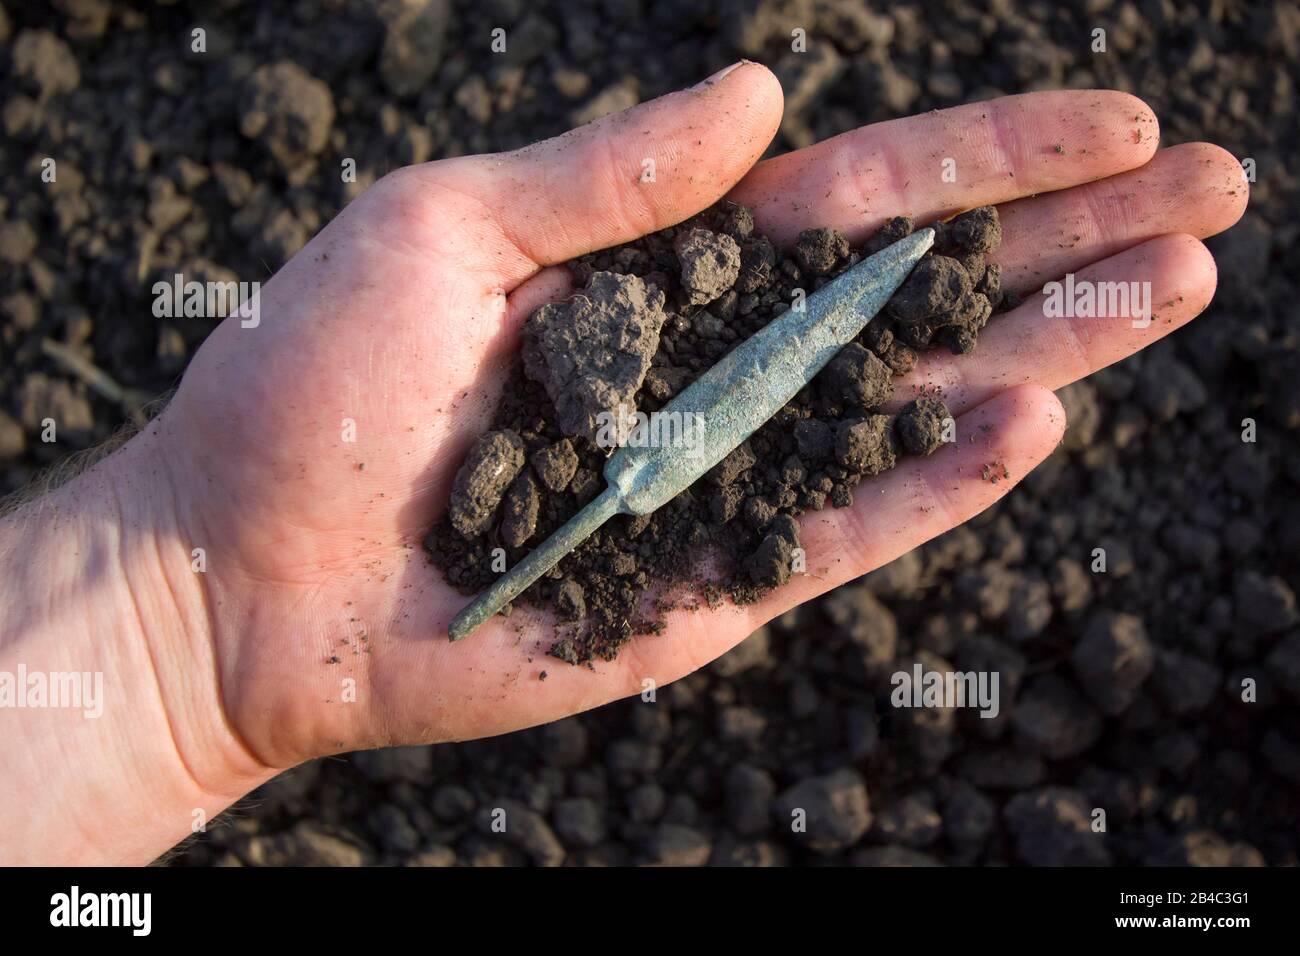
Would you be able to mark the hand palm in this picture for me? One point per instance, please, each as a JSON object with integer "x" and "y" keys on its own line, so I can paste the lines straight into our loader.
{"x": 393, "y": 327}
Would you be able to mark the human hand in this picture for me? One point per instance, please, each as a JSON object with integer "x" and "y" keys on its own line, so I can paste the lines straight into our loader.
{"x": 400, "y": 318}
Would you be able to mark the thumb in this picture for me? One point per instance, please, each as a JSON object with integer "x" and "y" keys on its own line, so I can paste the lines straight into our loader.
{"x": 620, "y": 177}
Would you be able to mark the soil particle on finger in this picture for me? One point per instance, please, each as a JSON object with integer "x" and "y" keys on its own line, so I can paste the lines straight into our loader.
{"x": 995, "y": 471}
{"x": 819, "y": 251}
{"x": 920, "y": 425}
{"x": 976, "y": 231}
{"x": 770, "y": 565}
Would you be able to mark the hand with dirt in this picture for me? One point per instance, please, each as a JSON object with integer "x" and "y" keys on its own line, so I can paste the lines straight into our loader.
{"x": 247, "y": 572}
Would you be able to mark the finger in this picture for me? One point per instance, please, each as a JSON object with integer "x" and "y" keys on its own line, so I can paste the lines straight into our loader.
{"x": 1195, "y": 188}
{"x": 997, "y": 444}
{"x": 617, "y": 178}
{"x": 944, "y": 161}
{"x": 550, "y": 285}
{"x": 1030, "y": 346}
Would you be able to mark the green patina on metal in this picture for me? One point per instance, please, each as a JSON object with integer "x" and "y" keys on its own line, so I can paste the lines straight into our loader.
{"x": 732, "y": 399}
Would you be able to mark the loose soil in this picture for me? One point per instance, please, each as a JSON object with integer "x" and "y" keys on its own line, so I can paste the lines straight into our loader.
{"x": 647, "y": 319}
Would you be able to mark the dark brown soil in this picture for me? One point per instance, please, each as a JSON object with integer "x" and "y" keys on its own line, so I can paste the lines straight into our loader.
{"x": 649, "y": 317}
{"x": 165, "y": 167}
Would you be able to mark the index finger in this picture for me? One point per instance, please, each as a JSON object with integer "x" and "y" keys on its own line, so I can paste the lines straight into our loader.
{"x": 946, "y": 161}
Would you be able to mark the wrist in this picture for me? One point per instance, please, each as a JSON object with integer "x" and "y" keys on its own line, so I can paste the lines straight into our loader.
{"x": 128, "y": 750}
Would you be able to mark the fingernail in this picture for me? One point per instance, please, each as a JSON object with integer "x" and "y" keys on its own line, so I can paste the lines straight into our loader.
{"x": 719, "y": 75}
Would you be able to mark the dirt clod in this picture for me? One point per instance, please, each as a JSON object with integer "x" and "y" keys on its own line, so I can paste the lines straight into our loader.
{"x": 289, "y": 111}
{"x": 834, "y": 809}
{"x": 519, "y": 513}
{"x": 819, "y": 251}
{"x": 977, "y": 231}
{"x": 865, "y": 445}
{"x": 569, "y": 600}
{"x": 490, "y": 467}
{"x": 920, "y": 425}
{"x": 710, "y": 264}
{"x": 856, "y": 379}
{"x": 592, "y": 353}
{"x": 555, "y": 465}
{"x": 928, "y": 298}
{"x": 770, "y": 565}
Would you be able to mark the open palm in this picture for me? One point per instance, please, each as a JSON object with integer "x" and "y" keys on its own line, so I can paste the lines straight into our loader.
{"x": 312, "y": 453}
